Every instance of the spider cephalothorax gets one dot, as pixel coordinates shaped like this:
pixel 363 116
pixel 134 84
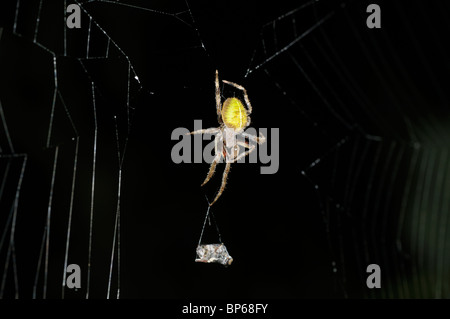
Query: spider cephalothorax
pixel 233 118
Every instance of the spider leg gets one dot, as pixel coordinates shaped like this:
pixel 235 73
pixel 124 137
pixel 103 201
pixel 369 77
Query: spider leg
pixel 218 105
pixel 212 130
pixel 240 87
pixel 260 140
pixel 212 168
pixel 250 147
pixel 232 154
pixel 224 182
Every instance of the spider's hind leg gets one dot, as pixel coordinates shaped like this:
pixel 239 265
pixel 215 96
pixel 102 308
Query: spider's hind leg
pixel 240 87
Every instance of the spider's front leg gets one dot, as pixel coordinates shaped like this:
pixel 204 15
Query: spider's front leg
pixel 251 148
pixel 230 157
pixel 218 154
pixel 224 182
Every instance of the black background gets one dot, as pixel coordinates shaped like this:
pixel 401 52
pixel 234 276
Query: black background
pixel 282 236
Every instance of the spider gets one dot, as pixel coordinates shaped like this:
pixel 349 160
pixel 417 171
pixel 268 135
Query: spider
pixel 233 119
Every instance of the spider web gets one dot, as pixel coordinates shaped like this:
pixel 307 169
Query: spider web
pixel 86 117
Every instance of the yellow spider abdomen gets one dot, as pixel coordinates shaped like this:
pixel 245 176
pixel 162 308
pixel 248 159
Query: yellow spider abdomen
pixel 234 114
